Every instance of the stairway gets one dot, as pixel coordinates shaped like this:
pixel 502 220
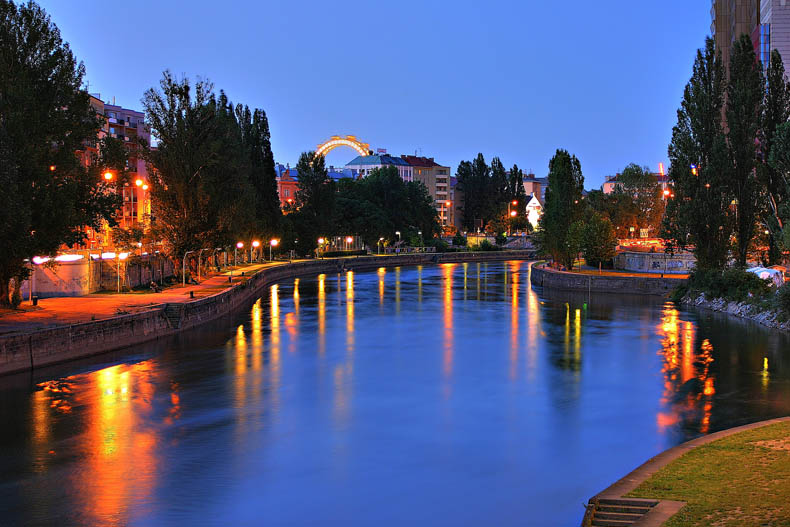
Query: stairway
pixel 616 512
pixel 173 315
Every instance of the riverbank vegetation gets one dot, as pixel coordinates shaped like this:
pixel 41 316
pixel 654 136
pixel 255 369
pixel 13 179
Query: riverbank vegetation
pixel 740 480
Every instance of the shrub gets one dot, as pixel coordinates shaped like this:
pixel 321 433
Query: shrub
pixel 501 239
pixel 730 284
pixel 486 245
pixel 459 240
pixel 783 298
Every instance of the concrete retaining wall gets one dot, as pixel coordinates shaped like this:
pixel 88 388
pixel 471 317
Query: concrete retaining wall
pixel 640 285
pixel 20 352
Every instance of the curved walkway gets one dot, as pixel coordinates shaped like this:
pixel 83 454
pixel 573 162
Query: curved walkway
pixel 665 509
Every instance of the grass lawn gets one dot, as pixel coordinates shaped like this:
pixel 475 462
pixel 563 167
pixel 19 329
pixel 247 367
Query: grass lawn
pixel 741 480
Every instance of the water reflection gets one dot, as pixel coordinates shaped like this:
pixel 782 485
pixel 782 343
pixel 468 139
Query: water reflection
pixel 423 383
pixel 688 383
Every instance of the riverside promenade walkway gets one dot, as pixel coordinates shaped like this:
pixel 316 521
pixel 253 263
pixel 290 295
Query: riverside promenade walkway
pixel 58 311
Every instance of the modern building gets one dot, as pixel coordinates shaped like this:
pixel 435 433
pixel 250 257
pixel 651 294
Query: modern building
pixel 129 126
pixel 361 166
pixel 774 31
pixel 731 18
pixel 436 179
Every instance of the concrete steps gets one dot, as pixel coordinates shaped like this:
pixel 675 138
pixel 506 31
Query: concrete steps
pixel 618 512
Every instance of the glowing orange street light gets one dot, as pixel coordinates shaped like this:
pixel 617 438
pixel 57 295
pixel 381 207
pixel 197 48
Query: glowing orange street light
pixel 145 187
pixel 239 245
pixel 52 168
pixel 666 193
pixel 513 213
pixel 515 202
pixel 139 182
pixel 108 175
pixel 321 241
pixel 349 239
pixel 256 243
pixel 272 243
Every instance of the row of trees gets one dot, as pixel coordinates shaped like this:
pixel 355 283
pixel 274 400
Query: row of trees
pixel 487 191
pixel 729 157
pixel 374 207
pixel 213 179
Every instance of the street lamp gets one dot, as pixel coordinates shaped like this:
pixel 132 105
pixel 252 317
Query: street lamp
pixel 379 244
pixel 419 233
pixel 272 243
pixel 255 245
pixel 108 175
pixel 398 233
pixel 239 245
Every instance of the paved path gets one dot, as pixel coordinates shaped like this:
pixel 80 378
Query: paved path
pixel 52 312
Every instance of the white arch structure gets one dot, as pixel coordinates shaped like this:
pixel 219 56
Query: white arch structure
pixel 336 141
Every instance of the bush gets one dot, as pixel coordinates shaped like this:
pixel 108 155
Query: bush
pixel 485 245
pixel 783 298
pixel 501 239
pixel 441 245
pixel 730 284
pixel 459 240
pixel 16 297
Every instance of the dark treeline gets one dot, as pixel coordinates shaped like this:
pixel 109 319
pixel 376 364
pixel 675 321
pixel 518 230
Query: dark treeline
pixel 376 206
pixel 487 191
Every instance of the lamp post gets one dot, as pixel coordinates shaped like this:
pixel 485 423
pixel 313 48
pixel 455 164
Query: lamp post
pixel 379 244
pixel 398 233
pixel 321 242
pixel 255 245
pixel 272 243
pixel 349 241
pixel 239 245
pixel 419 233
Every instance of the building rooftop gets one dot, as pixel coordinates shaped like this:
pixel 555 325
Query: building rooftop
pixel 377 160
pixel 417 161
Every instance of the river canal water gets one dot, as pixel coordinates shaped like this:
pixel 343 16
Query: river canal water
pixel 438 395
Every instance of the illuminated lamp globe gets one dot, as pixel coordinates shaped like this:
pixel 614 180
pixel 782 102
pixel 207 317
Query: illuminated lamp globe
pixel 513 213
pixel 321 241
pixel 139 182
pixel 108 175
pixel 256 243
pixel 274 242
pixel 349 239
pixel 240 245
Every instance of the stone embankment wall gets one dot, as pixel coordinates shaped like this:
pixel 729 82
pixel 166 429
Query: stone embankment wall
pixel 745 310
pixel 588 283
pixel 20 352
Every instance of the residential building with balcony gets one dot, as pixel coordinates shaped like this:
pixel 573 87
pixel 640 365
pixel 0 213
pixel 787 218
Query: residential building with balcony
pixel 436 179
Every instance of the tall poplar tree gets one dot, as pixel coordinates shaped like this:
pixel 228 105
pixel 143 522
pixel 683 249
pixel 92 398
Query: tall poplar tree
pixel 699 214
pixel 745 92
pixel 563 207
pixel 776 111
pixel 515 186
pixel 498 194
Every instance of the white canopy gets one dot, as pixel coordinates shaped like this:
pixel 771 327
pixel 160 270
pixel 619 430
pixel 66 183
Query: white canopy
pixel 773 275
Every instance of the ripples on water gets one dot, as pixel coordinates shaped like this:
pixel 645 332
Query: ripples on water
pixel 448 395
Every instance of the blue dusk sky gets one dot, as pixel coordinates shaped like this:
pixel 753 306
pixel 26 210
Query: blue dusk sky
pixel 514 79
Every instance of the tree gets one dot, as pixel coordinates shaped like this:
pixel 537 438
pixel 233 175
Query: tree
pixel 574 241
pixel 699 216
pixel 315 200
pixel 745 93
pixel 47 194
pixel 498 192
pixel 776 111
pixel 639 186
pixel 600 241
pixel 200 179
pixel 563 206
pixel 263 177
pixel 474 181
pixel 515 184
